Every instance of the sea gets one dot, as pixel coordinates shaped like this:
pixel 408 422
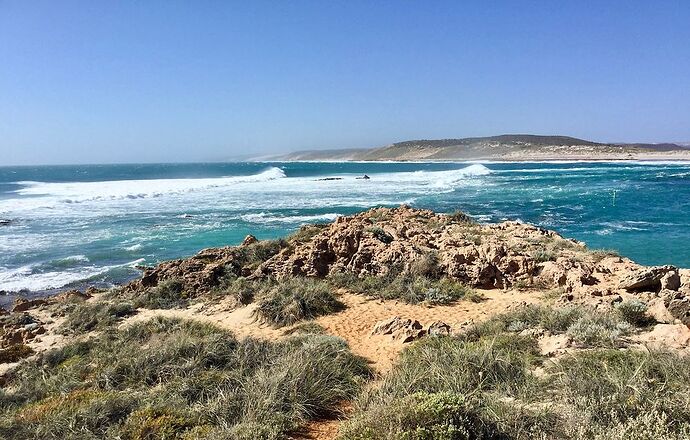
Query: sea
pixel 71 226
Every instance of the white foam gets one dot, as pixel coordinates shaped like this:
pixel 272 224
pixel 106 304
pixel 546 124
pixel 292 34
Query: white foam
pixel 12 280
pixel 78 192
pixel 263 217
pixel 134 247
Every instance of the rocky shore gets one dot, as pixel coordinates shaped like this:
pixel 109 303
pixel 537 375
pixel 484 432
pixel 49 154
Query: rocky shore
pixel 379 280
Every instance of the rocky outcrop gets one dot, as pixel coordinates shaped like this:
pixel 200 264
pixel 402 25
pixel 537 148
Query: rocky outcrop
pixel 379 241
pixel 199 273
pixel 651 279
pixel 390 241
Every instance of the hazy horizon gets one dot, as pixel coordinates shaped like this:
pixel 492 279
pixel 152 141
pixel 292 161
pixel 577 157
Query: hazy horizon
pixel 125 82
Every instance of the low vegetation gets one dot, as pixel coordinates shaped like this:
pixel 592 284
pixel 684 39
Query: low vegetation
pixel 96 316
pixel 296 299
pixel 407 288
pixel 173 379
pixel 492 382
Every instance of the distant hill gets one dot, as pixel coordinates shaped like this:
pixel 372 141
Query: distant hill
pixel 502 147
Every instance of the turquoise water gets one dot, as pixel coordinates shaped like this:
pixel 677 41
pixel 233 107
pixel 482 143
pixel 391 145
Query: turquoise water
pixel 71 224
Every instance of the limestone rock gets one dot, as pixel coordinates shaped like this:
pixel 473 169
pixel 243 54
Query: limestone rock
pixel 658 311
pixel 438 328
pixel 400 329
pixel 680 309
pixel 650 279
pixel 249 239
pixel 22 305
pixel 675 336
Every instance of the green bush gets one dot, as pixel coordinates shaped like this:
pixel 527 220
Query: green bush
pixel 421 416
pixel 634 312
pixel 296 299
pixel 380 234
pixel 598 330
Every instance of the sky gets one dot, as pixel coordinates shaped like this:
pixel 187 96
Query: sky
pixel 167 81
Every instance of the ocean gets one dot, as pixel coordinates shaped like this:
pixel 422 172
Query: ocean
pixel 92 224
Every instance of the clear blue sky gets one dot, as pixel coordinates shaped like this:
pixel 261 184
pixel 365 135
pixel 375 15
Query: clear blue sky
pixel 130 81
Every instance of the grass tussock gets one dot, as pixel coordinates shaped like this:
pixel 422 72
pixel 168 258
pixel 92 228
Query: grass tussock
pixel 296 299
pixel 167 294
pixel 177 379
pixel 407 287
pixel 492 382
pixel 96 316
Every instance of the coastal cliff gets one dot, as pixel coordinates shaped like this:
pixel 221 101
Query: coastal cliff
pixel 391 323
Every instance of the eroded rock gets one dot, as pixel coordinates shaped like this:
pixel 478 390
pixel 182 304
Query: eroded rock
pixel 650 279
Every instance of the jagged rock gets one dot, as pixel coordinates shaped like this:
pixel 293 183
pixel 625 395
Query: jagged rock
pixel 504 255
pixel 73 295
pixel 438 328
pixel 19 328
pixel 401 329
pixel 491 256
pixel 680 309
pixel 392 325
pixel 649 279
pixel 22 305
pixel 249 239
pixel 670 281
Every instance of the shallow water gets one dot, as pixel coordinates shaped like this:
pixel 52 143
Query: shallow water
pixel 71 224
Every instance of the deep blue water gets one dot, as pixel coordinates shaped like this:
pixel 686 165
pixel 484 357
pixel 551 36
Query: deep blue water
pixel 76 223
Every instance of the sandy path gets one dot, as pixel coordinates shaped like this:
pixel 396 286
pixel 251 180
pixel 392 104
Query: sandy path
pixel 354 324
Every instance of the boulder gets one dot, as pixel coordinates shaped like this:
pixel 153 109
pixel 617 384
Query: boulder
pixel 666 336
pixel 656 308
pixel 22 305
pixel 438 328
pixel 401 329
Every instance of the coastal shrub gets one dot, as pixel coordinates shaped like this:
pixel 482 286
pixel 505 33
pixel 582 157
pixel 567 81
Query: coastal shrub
pixel 96 316
pixel 461 217
pixel 421 416
pixel 598 330
pixel 256 253
pixel 306 232
pixel 240 289
pixel 542 255
pixel 451 364
pixel 406 287
pixel 427 265
pixel 167 378
pixel 15 353
pixel 614 387
pixel 380 234
pixel 554 320
pixel 600 254
pixel 167 295
pixel 634 312
pixel 297 299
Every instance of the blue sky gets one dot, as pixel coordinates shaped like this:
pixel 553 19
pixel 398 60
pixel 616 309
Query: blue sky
pixel 129 81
